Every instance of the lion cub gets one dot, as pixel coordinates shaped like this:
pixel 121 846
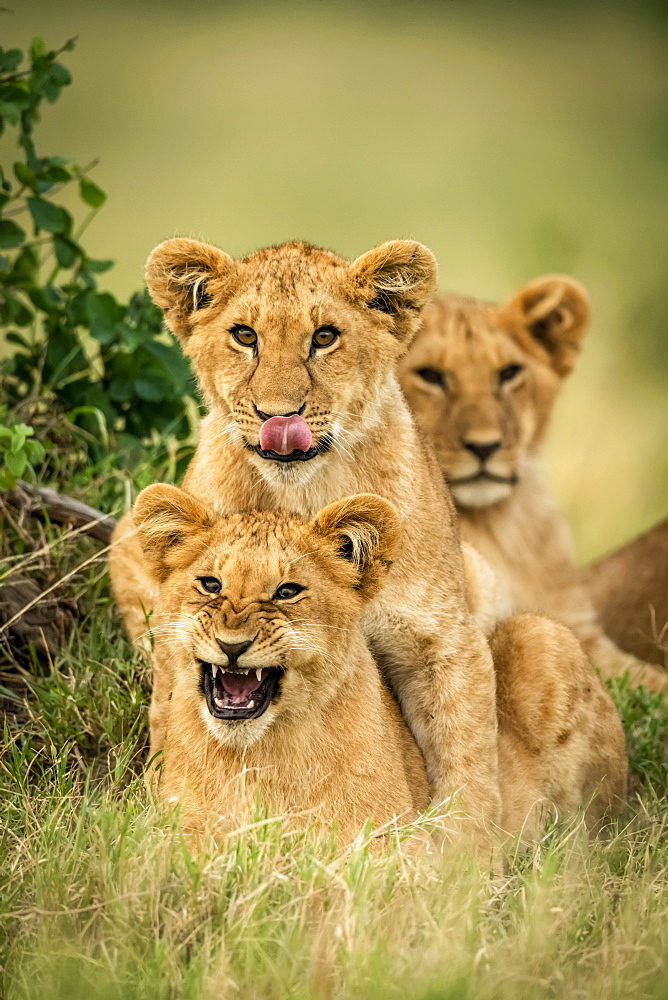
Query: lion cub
pixel 295 350
pixel 481 380
pixel 274 689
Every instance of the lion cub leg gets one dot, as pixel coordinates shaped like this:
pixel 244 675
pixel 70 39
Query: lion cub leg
pixel 445 684
pixel 614 662
pixel 561 742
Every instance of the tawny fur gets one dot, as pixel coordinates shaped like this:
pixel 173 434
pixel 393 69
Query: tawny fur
pixel 333 747
pixel 432 652
pixel 460 380
pixel 629 588
pixel 561 741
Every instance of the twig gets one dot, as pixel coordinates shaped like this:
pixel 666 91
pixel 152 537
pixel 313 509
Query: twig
pixel 44 593
pixel 63 509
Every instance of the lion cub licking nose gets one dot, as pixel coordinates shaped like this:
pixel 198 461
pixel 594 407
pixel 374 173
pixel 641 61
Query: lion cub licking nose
pixel 274 689
pixel 273 683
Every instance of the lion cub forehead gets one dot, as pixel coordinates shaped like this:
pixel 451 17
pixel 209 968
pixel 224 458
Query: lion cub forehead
pixel 261 532
pixel 253 550
pixel 290 264
pixel 458 330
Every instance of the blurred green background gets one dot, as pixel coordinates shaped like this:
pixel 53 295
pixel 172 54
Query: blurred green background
pixel 512 139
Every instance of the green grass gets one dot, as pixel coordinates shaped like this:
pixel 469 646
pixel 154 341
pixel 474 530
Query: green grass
pixel 102 900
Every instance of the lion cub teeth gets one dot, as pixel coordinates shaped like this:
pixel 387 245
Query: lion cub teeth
pixel 251 704
pixel 258 673
pixel 214 670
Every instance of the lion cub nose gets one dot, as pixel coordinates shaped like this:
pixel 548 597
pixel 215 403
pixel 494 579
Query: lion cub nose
pixel 233 650
pixel 483 449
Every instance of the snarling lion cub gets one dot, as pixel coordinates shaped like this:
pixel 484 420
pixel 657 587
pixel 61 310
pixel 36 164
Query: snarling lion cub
pixel 295 350
pixel 275 690
pixel 481 380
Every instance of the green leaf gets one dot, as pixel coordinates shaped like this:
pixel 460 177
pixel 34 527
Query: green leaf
pixel 98 266
pixel 56 174
pixel 91 193
pixel 67 251
pixel 49 217
pixel 35 451
pixel 15 338
pixel 50 80
pixel 7 480
pixel 16 463
pixel 37 48
pixel 10 60
pixel 150 389
pixel 11 235
pixel 25 176
pixel 25 265
pixel 19 435
pixel 14 98
pixel 104 313
pixel 47 298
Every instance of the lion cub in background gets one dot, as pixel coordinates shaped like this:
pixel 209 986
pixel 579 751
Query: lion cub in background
pixel 274 688
pixel 481 380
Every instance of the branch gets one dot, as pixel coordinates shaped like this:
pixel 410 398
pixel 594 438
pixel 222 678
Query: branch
pixel 62 509
pixel 52 56
pixel 78 173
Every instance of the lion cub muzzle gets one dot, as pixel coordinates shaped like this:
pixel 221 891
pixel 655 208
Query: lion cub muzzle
pixel 288 438
pixel 242 693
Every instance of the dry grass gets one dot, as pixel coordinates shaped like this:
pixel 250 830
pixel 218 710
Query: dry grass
pixel 102 899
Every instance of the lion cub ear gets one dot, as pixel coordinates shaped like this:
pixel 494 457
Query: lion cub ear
pixel 397 278
pixel 181 276
pixel 165 517
pixel 366 530
pixel 555 310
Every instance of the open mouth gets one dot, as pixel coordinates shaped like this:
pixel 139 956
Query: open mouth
pixel 239 694
pixel 484 477
pixel 294 456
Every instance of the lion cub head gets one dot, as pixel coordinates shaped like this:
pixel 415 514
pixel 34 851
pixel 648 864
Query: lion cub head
pixel 292 344
pixel 481 380
pixel 258 611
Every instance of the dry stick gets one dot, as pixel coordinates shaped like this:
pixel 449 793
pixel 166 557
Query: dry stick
pixel 53 586
pixel 64 509
pixel 61 509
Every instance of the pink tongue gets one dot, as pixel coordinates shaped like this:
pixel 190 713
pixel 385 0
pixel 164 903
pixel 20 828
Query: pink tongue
pixel 285 435
pixel 239 686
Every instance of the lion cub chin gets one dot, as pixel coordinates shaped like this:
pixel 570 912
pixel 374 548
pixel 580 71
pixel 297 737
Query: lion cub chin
pixel 274 690
pixel 275 693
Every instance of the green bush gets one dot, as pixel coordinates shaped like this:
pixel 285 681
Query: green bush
pixel 70 348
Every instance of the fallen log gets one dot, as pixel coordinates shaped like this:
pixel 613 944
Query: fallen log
pixel 61 509
pixel 35 610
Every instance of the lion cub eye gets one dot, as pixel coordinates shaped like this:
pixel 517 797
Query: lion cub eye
pixel 325 336
pixel 432 375
pixel 210 584
pixel 287 590
pixel 244 335
pixel 509 372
